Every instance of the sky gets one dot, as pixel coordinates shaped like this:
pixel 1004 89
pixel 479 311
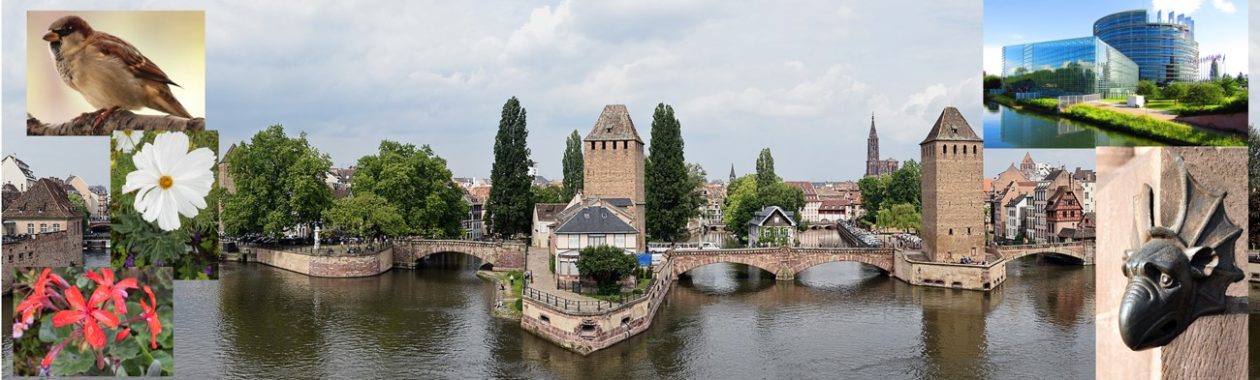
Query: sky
pixel 1220 25
pixel 801 80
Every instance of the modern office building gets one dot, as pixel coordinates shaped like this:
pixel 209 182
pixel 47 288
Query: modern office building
pixel 1163 46
pixel 1075 66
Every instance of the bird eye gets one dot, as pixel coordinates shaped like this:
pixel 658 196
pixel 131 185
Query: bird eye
pixel 1166 281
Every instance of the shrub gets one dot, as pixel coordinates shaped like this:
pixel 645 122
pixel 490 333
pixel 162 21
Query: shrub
pixel 1174 133
pixel 1204 94
pixel 1147 88
pixel 607 265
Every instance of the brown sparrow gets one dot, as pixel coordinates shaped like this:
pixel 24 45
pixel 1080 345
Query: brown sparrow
pixel 109 72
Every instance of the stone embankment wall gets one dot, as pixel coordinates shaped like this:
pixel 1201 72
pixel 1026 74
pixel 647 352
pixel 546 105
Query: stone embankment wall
pixel 948 275
pixel 591 330
pixel 53 249
pixel 327 266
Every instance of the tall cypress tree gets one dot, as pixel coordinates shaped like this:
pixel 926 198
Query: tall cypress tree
pixel 667 183
pixel 765 169
pixel 511 201
pixel 573 166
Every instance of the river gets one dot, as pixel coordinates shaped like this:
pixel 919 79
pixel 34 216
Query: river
pixel 839 320
pixel 1007 128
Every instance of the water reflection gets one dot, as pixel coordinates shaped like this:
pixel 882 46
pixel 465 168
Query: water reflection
pixel 724 321
pixel 1007 128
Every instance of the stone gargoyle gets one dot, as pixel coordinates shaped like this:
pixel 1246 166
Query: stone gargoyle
pixel 1178 272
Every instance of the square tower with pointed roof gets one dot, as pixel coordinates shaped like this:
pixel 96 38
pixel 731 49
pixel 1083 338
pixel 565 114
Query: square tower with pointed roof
pixel 613 159
pixel 953 197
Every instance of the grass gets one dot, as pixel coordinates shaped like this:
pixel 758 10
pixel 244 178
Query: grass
pixel 1175 133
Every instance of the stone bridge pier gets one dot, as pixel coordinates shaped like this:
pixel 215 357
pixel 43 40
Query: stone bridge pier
pixel 784 262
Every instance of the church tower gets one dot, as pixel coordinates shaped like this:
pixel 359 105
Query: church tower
pixel 872 151
pixel 952 190
pixel 613 160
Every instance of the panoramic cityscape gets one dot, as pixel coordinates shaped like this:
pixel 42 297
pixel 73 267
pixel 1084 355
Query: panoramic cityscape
pixel 575 189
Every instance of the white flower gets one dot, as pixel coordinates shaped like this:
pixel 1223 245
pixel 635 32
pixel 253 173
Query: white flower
pixel 125 140
pixel 170 179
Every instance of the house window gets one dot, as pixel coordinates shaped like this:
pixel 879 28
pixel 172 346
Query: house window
pixel 619 241
pixel 43 228
pixel 596 240
pixel 573 242
pixel 30 228
pixel 56 227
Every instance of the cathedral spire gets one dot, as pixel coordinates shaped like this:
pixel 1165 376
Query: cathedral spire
pixel 873 136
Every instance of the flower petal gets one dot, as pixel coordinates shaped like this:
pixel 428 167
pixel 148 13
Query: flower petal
pixel 95 337
pixel 66 317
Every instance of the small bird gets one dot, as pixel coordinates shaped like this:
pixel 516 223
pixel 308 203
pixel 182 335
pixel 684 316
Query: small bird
pixel 110 73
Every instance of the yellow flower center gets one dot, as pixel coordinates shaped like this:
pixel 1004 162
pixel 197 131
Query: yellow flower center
pixel 127 132
pixel 166 182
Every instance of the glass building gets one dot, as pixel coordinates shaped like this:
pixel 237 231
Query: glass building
pixel 1163 46
pixel 1076 66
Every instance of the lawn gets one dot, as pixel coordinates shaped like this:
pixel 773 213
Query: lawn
pixel 1174 133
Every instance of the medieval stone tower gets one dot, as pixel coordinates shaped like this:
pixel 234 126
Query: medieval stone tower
pixel 953 194
pixel 613 154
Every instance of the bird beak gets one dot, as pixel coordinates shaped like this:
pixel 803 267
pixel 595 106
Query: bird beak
pixel 52 37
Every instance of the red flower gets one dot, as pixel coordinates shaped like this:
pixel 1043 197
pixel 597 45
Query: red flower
pixel 88 314
pixel 151 317
pixel 33 301
pixel 122 335
pixel 107 289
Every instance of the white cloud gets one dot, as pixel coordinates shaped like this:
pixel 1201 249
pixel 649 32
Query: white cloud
pixel 1179 6
pixel 545 29
pixel 1224 6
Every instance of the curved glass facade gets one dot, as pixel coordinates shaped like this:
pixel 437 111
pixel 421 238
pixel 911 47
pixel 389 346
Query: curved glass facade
pixel 1076 66
pixel 1162 46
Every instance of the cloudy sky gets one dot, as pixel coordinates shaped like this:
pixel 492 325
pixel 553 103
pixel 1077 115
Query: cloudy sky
pixel 802 80
pixel 1220 25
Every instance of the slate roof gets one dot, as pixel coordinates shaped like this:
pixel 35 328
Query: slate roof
pixel 760 217
pixel 594 219
pixel 547 212
pixel 951 126
pixel 46 199
pixel 614 124
pixel 1015 201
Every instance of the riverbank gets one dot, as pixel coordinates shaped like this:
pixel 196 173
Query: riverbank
pixel 508 287
pixel 1168 132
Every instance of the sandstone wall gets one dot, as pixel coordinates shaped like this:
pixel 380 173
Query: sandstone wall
pixel 326 266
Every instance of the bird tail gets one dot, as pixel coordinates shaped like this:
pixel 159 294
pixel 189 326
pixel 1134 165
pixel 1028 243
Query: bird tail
pixel 165 101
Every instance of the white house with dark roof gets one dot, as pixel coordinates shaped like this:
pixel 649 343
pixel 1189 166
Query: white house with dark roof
pixel 589 223
pixel 771 226
pixel 16 173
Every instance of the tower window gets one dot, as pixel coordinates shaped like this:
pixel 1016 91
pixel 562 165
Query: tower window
pixel 955 149
pixel 592 145
pixel 944 149
pixel 603 145
pixel 951 231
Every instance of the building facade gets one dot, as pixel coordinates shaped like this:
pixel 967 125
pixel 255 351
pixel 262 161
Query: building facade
pixel 1063 213
pixel 16 173
pixel 44 208
pixel 1161 45
pixel 771 226
pixel 1075 66
pixel 592 222
pixel 874 166
pixel 953 197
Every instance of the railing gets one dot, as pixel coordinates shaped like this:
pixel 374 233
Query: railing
pixel 1066 101
pixel 580 306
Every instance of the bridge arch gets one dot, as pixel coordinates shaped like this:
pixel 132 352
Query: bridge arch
pixel 876 262
pixel 784 262
pixel 494 255
pixel 1077 252
pixel 686 265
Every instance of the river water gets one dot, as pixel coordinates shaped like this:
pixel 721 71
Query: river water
pixel 839 320
pixel 1007 128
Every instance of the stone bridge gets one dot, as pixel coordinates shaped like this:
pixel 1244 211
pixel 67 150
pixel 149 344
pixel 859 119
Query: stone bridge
pixel 784 262
pixel 500 255
pixel 1080 250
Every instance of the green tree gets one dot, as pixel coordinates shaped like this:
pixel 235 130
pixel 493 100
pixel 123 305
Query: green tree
pixel 607 265
pixel 765 169
pixel 366 215
pixel 903 185
pixel 418 184
pixel 81 207
pixel 666 180
pixel 548 194
pixel 1203 94
pixel 874 195
pixel 1228 85
pixel 744 199
pixel 1147 88
pixel 511 205
pixel 279 184
pixel 573 165
pixel 992 82
pixel 1175 91
pixel 903 216
pixel 698 178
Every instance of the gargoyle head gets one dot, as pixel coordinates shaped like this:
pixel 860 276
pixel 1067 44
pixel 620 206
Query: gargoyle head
pixel 1177 273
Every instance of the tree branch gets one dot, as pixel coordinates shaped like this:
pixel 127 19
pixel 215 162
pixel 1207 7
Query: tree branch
pixel 117 121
